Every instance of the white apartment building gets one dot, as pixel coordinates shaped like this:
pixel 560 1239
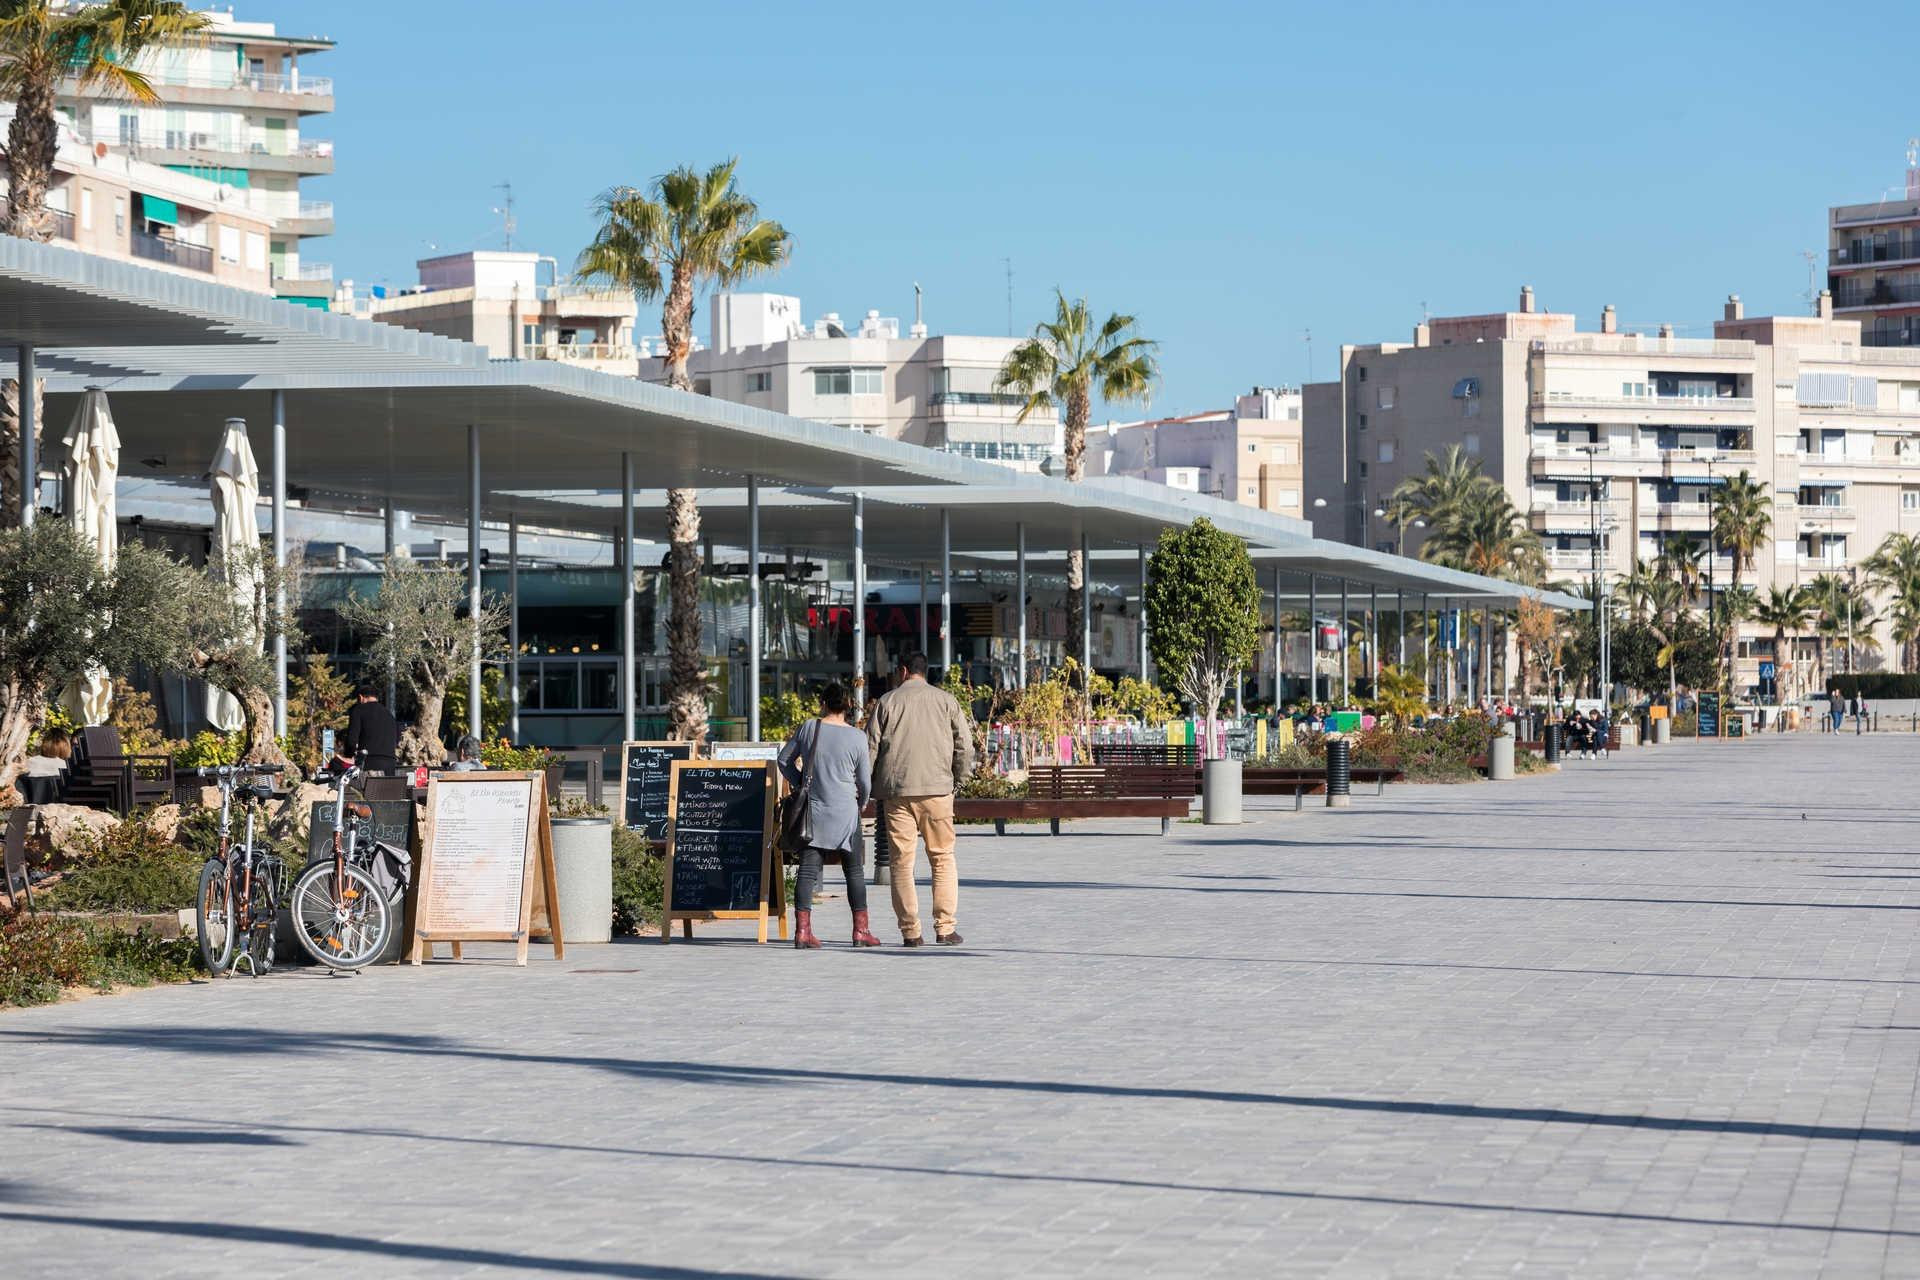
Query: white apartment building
pixel 232 110
pixel 1645 424
pixel 1873 265
pixel 116 206
pixel 496 299
pixel 929 390
pixel 1249 454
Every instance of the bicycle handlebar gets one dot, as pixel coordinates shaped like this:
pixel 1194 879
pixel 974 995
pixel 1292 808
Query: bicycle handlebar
pixel 237 770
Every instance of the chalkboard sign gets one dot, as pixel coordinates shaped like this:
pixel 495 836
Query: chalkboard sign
pixel 719 844
pixel 744 750
pixel 1736 727
pixel 646 775
pixel 392 824
pixel 486 852
pixel 1709 716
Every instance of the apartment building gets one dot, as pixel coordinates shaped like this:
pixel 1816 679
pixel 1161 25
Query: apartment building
pixel 1873 266
pixel 515 305
pixel 932 390
pixel 1614 439
pixel 118 207
pixel 1250 454
pixel 233 110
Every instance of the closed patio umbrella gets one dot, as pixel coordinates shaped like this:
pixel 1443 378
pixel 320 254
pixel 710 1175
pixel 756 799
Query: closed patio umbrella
pixel 235 484
pixel 93 465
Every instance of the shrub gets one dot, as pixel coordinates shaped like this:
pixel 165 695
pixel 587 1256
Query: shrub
pixel 39 955
pixel 116 958
pixel 781 714
pixel 128 868
pixel 1876 684
pixel 639 881
pixel 501 754
pixel 207 749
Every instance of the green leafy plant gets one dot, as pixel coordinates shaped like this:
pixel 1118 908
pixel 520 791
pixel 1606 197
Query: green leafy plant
pixel 1147 703
pixel 40 955
pixel 1203 613
pixel 639 882
pixel 129 867
pixel 781 714
pixel 206 749
pixel 501 754
pixel 577 807
pixel 495 711
pixel 319 699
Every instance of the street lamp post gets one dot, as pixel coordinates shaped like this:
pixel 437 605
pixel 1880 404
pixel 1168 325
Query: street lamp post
pixel 1366 513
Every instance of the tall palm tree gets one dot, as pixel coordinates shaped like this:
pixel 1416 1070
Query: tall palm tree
pixel 1452 478
pixel 1484 533
pixel 95 44
pixel 1683 560
pixel 686 231
pixel 1787 610
pixel 1845 614
pixel 1894 568
pixel 1742 517
pixel 1061 367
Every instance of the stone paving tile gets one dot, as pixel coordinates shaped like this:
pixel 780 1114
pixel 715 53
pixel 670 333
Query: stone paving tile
pixel 1638 1018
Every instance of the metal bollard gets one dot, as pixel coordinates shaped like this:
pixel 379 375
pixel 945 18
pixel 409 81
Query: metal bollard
pixel 1551 739
pixel 1339 773
pixel 882 849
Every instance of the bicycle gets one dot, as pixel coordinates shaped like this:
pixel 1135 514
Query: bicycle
pixel 239 891
pixel 339 907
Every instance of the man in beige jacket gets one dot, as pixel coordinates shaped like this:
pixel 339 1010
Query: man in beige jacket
pixel 922 745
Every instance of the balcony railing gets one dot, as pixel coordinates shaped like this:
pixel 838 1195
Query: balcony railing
pixel 314 210
pixel 1907 337
pixel 1572 507
pixel 258 82
pixel 1880 294
pixel 306 271
pixel 195 257
pixel 1653 404
pixel 1641 344
pixel 1893 248
pixel 583 351
pixel 1820 512
pixel 1574 558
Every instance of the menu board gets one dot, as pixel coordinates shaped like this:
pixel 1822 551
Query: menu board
pixel 646 775
pixel 744 750
pixel 719 860
pixel 1709 726
pixel 392 824
pixel 486 838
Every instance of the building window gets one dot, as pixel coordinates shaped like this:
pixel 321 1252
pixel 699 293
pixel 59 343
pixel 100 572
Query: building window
pixel 1386 397
pixel 1910 499
pixel 1471 443
pixel 832 382
pixel 1289 498
pixel 1363 422
pixel 1363 471
pixel 867 382
pixel 230 244
pixel 256 251
pixel 86 208
pixel 1283 453
pixel 759 382
pixel 1249 491
pixel 1253 448
pixel 119 215
pixel 1386 451
pixel 1363 373
pixel 529 336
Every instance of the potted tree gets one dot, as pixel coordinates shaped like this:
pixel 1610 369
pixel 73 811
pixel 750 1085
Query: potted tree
pixel 1203 623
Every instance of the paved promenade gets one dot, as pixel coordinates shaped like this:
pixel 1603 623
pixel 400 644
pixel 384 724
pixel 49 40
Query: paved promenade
pixel 1657 1016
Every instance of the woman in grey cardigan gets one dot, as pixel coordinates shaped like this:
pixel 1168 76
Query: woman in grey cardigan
pixel 828 758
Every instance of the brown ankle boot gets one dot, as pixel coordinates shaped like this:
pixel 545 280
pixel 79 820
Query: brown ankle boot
pixel 862 934
pixel 803 930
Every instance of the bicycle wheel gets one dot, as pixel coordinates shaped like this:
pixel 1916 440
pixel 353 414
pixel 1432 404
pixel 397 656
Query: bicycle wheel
pixel 213 916
pixel 260 916
pixel 344 929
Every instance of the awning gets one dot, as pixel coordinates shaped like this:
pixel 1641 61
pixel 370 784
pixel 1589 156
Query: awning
pixel 154 209
pixel 1808 483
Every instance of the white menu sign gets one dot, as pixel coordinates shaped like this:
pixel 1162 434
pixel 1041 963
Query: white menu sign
pixel 479 857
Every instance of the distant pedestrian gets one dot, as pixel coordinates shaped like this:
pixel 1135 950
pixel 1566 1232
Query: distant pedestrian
pixel 466 755
pixel 1858 706
pixel 371 730
pixel 1836 708
pixel 922 747
pixel 828 759
pixel 1599 730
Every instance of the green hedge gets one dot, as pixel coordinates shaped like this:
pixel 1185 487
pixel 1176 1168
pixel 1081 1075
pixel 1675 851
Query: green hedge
pixel 1877 684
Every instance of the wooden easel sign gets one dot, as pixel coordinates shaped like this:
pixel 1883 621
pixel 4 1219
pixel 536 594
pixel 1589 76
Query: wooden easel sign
pixel 720 863
pixel 486 847
pixel 646 777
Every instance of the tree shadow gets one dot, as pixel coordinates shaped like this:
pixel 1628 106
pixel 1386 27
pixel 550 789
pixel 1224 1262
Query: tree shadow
pixel 173 1137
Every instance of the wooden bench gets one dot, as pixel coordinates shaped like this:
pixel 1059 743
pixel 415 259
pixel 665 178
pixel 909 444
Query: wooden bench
pixel 1300 783
pixel 104 777
pixel 1163 791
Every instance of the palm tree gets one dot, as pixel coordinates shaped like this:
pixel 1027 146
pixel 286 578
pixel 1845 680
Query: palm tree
pixel 1483 533
pixel 1683 560
pixel 686 231
pixel 1895 569
pixel 1742 517
pixel 1787 610
pixel 1845 614
pixel 1452 478
pixel 95 44
pixel 1061 367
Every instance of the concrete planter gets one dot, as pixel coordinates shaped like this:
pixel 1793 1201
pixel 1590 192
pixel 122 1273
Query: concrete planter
pixel 1500 756
pixel 583 867
pixel 1220 792
pixel 1662 731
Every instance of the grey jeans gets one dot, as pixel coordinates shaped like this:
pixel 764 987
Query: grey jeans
pixel 853 863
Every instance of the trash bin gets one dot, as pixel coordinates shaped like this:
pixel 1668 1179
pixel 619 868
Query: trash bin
pixel 1339 773
pixel 1500 755
pixel 1550 737
pixel 583 876
pixel 1220 792
pixel 1663 730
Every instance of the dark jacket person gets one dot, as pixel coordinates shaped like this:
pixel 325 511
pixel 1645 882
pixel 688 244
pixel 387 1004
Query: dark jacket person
pixel 371 728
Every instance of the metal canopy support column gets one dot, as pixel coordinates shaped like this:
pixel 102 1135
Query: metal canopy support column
pixel 1279 647
pixel 1400 628
pixel 1313 638
pixel 1346 618
pixel 513 627
pixel 753 609
pixel 946 592
pixel 1143 613
pixel 29 494
pixel 923 610
pixel 1086 610
pixel 473 574
pixel 1020 603
pixel 1373 639
pixel 390 518
pixel 860 602
pixel 279 548
pixel 1486 651
pixel 1426 650
pixel 625 559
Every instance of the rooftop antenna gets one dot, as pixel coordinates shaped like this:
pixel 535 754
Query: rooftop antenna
pixel 1009 266
pixel 1308 339
pixel 1813 292
pixel 1913 174
pixel 505 210
pixel 919 319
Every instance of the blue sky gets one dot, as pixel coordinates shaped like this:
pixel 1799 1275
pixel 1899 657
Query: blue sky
pixel 1233 174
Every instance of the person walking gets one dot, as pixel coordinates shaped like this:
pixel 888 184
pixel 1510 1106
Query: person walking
pixel 371 729
pixel 828 760
pixel 1858 705
pixel 922 743
pixel 1836 707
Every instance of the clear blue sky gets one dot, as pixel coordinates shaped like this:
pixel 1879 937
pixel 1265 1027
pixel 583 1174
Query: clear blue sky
pixel 1233 174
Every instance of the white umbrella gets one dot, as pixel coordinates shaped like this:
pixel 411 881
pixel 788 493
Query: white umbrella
pixel 93 464
pixel 235 481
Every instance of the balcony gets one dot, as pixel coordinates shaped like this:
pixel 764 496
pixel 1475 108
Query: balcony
pixel 306 272
pixel 1724 462
pixel 1650 408
pixel 1881 293
pixel 1568 462
pixel 1909 337
pixel 591 354
pixel 1677 516
pixel 236 88
pixel 1641 344
pixel 315 218
pixel 1869 252
pixel 219 150
pixel 947 406
pixel 1575 560
pixel 175 253
pixel 1820 515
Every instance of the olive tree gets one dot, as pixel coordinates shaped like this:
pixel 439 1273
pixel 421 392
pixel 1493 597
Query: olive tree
pixel 1203 614
pixel 418 628
pixel 239 612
